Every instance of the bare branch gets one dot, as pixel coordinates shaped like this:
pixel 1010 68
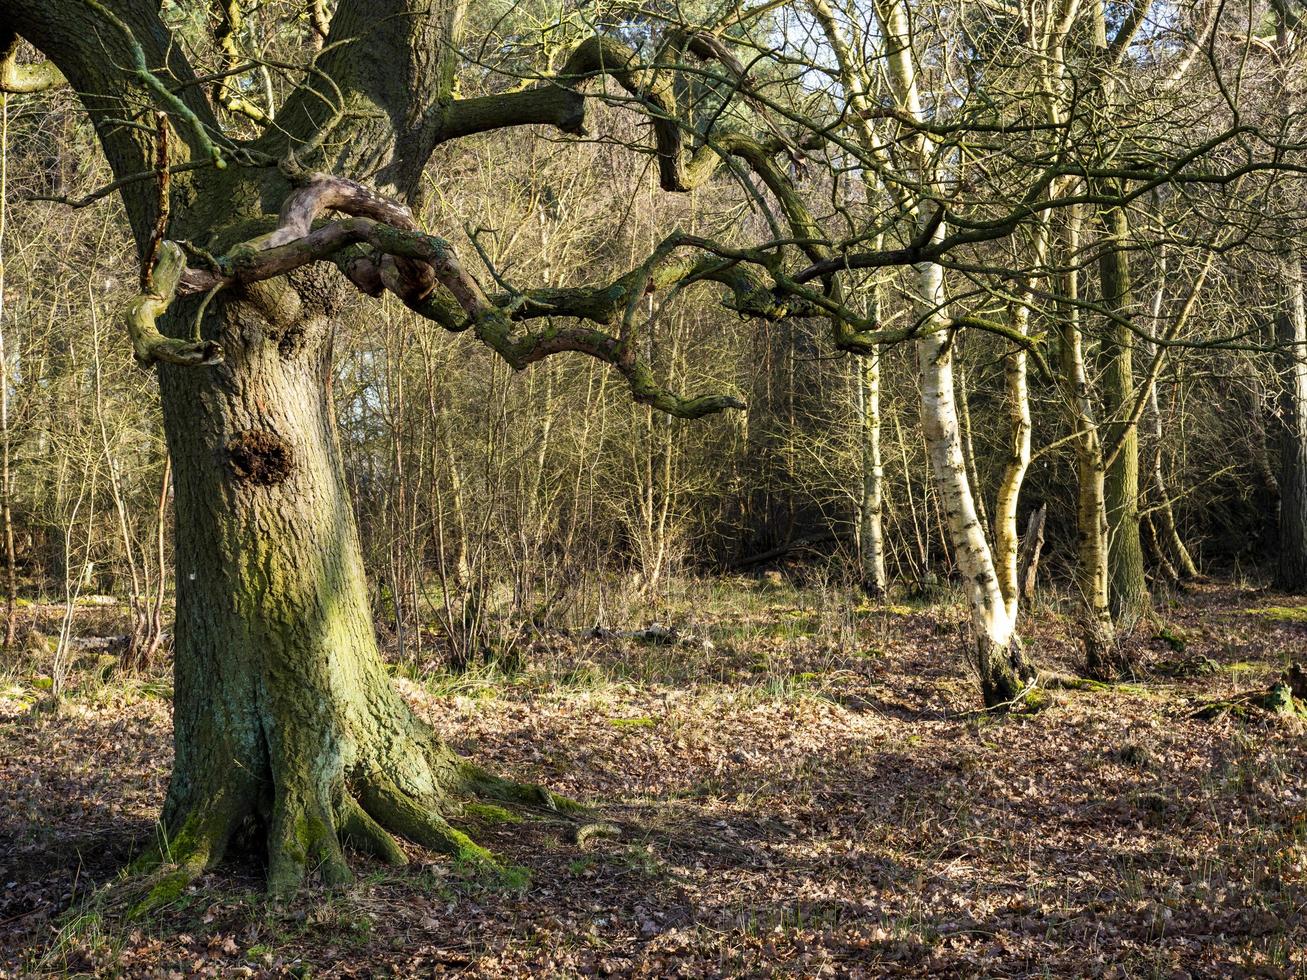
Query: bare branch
pixel 226 33
pixel 164 207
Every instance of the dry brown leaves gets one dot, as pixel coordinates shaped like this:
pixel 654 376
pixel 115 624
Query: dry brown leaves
pixel 801 801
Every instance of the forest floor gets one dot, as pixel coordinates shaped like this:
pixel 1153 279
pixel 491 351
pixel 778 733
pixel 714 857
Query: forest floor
pixel 813 796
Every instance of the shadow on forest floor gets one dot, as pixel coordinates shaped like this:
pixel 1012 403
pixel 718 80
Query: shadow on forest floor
pixel 806 800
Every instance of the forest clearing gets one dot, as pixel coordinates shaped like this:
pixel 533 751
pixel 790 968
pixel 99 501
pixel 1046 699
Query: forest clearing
pixel 709 488
pixel 814 796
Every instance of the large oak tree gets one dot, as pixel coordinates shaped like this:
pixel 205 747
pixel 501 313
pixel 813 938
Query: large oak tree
pixel 285 720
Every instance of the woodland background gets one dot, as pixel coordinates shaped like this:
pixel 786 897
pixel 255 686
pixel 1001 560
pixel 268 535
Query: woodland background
pixel 803 779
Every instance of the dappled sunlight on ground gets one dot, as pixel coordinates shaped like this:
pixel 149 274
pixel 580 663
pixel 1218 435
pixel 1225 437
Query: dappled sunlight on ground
pixel 811 793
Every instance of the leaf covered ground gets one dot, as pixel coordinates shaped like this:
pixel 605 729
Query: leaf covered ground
pixel 811 795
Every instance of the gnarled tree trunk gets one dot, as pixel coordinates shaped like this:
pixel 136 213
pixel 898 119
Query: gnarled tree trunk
pixel 283 709
pixel 284 718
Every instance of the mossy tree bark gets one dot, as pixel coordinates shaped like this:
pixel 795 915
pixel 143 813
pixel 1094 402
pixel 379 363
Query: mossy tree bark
pixel 1092 576
pixel 283 709
pixel 1128 587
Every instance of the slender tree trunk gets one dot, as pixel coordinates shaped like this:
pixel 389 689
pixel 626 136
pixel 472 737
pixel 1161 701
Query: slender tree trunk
pixel 1266 489
pixel 1128 585
pixel 1091 569
pixel 161 557
pixel 1007 540
pixel 1148 527
pixel 1093 575
pixel 1184 563
pixel 1291 569
pixel 998 652
pixel 999 658
pixel 1184 560
pixel 871 531
pixel 871 539
pixel 6 483
pixel 968 449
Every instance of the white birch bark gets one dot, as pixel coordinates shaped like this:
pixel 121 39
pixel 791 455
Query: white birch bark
pixel 989 610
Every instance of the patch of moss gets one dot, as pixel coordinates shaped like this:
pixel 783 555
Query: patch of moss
pixel 1282 614
pixel 790 624
pixel 1068 682
pixel 466 851
pixel 1142 691
pixel 489 813
pixel 1172 638
pixel 1036 700
pixel 166 891
pixel 1279 700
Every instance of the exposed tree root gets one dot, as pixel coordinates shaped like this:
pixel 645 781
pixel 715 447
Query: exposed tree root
pixel 160 875
pixel 361 833
pixel 481 782
pixel 303 837
pixel 308 838
pixel 589 831
pixel 308 832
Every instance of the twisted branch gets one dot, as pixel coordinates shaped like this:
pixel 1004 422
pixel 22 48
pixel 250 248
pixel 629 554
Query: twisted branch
pixel 149 345
pixel 379 246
